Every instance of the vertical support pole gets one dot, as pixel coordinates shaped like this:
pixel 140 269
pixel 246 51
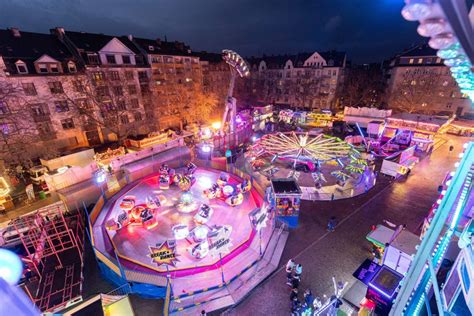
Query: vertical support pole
pixel 122 272
pixel 435 288
pixel 427 305
pixel 260 241
pixel 222 269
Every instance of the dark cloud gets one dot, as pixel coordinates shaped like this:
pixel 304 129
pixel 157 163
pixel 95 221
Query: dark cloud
pixel 369 30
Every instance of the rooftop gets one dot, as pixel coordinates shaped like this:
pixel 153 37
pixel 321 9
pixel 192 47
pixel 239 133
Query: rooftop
pixel 286 186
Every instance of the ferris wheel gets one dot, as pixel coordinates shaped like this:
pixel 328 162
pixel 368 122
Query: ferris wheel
pixel 302 146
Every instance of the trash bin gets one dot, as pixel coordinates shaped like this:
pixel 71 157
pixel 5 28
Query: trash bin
pixel 42 195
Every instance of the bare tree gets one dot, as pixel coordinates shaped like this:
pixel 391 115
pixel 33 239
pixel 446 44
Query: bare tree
pixel 416 92
pixel 102 101
pixel 192 104
pixel 363 88
pixel 21 134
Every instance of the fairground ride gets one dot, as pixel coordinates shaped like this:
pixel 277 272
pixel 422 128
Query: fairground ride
pixel 238 66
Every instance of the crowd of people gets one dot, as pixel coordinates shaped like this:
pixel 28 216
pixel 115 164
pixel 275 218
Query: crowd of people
pixel 309 302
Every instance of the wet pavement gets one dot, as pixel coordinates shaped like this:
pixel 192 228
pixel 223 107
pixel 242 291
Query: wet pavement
pixel 323 254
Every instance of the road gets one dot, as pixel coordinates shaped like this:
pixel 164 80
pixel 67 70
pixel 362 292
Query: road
pixel 323 254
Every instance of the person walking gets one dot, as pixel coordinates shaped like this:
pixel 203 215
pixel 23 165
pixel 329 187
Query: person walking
pixel 295 303
pixel 308 299
pixel 289 271
pixel 298 270
pixel 295 282
pixel 332 224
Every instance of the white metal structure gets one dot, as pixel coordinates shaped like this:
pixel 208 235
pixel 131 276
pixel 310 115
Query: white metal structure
pixel 238 66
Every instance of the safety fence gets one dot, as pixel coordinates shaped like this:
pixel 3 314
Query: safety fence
pixel 161 286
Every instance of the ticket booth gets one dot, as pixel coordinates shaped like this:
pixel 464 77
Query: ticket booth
pixel 285 198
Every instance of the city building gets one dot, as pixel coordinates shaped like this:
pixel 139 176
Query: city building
pixel 419 82
pixel 216 75
pixel 116 85
pixel 36 117
pixel 175 74
pixel 302 81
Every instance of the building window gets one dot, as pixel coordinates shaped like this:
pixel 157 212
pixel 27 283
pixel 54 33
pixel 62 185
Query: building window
pixel 67 123
pixel 156 59
pixel 21 67
pixel 132 89
pixel 102 91
pixel 29 88
pixel 93 59
pixel 38 109
pixel 126 59
pixel 8 128
pixel 117 90
pixel 142 75
pixel 134 103
pixel 137 116
pixel 55 87
pixel 79 86
pixel 114 75
pixel 83 104
pixel 3 107
pixel 121 105
pixel 61 106
pixel 129 75
pixel 124 119
pixel 448 106
pixel 413 82
pixel 111 59
pixel 54 68
pixel 43 68
pixel 151 48
pixel 333 72
pixel 98 76
pixel 71 66
pixel 438 60
pixel 168 59
pixel 420 60
pixel 453 94
pixel 139 60
pixel 411 61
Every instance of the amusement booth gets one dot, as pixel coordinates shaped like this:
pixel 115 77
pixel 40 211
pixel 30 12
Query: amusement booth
pixel 285 198
pixel 393 250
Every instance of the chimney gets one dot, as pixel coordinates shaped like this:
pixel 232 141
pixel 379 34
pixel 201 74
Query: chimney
pixel 59 31
pixel 15 32
pixel 130 37
pixel 158 41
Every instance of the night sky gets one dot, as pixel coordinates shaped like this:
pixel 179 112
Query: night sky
pixel 368 30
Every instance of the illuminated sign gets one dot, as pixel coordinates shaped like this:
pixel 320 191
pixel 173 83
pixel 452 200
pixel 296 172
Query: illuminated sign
pixel 164 254
pixel 219 240
pixel 259 217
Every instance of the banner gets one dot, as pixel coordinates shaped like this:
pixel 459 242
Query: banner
pixel 164 253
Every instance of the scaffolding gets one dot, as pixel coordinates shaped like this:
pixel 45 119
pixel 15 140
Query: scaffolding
pixel 53 242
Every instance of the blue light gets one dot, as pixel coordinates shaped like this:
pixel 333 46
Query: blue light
pixel 100 176
pixel 11 267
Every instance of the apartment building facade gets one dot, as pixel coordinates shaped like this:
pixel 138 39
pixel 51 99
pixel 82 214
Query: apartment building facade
pixel 176 74
pixel 303 81
pixel 70 89
pixel 419 82
pixel 35 72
